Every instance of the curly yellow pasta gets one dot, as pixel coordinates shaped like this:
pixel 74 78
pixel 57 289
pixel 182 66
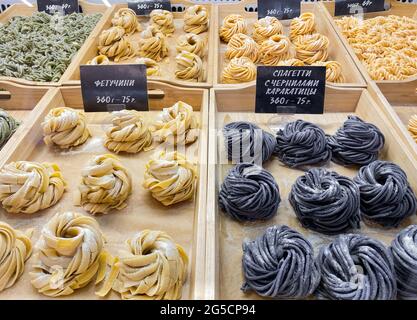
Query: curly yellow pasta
pixel 153 44
pixel 65 127
pixel 304 24
pixel 70 254
pixel 196 19
pixel 126 18
pixel 232 25
pixel 276 49
pixel 106 184
pixel 28 187
pixel 412 127
pixel 177 124
pixel 15 249
pixel 239 70
pixel 99 60
pixel 163 21
pixel 170 177
pixel 311 48
pixel 114 44
pixel 189 66
pixel 152 67
pixel 386 45
pixel 291 63
pixel 333 71
pixel 265 28
pixel 152 267
pixel 129 132
pixel 241 45
pixel 192 43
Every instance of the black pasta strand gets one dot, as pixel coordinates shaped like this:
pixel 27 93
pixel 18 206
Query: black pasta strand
pixel 302 143
pixel 356 142
pixel 246 142
pixel 356 267
pixel 404 252
pixel 280 264
pixel 326 202
pixel 249 193
pixel 386 195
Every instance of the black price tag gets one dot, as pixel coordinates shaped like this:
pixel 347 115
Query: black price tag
pixel 282 10
pixel 58 6
pixel 290 89
pixel 114 87
pixel 349 7
pixel 145 7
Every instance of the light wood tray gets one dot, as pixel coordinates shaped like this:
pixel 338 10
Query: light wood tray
pixel 399 92
pixel 185 222
pixel 21 9
pixel 337 52
pixel 225 236
pixel 168 65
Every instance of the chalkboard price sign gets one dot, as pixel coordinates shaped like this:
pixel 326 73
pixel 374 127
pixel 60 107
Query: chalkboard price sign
pixel 283 9
pixel 290 89
pixel 114 87
pixel 145 7
pixel 58 6
pixel 349 7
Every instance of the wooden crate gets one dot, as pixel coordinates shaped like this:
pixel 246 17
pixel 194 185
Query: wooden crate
pixel 185 222
pixel 225 236
pixel 399 92
pixel 168 65
pixel 19 101
pixel 24 10
pixel 336 49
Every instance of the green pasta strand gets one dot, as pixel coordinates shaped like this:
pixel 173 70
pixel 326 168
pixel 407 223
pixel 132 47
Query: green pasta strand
pixel 8 126
pixel 40 47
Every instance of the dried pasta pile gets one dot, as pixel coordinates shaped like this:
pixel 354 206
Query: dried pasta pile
pixel 387 46
pixel 40 47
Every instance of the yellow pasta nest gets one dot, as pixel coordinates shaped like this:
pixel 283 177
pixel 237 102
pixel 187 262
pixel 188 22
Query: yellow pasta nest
pixel 189 66
pixel 170 177
pixel 304 24
pixel 129 132
pixel 275 49
pixel 239 70
pixel 191 43
pixel 265 28
pixel 412 127
pixel 311 48
pixel 196 19
pixel 387 46
pixel 333 71
pixel 241 45
pixel 152 267
pixel 177 125
pixel 126 18
pixel 15 249
pixel 114 44
pixel 28 187
pixel 65 127
pixel 106 184
pixel 291 63
pixel 163 21
pixel 232 25
pixel 70 254
pixel 152 67
pixel 153 44
pixel 99 60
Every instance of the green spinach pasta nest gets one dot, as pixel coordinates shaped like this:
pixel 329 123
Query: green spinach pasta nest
pixel 40 47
